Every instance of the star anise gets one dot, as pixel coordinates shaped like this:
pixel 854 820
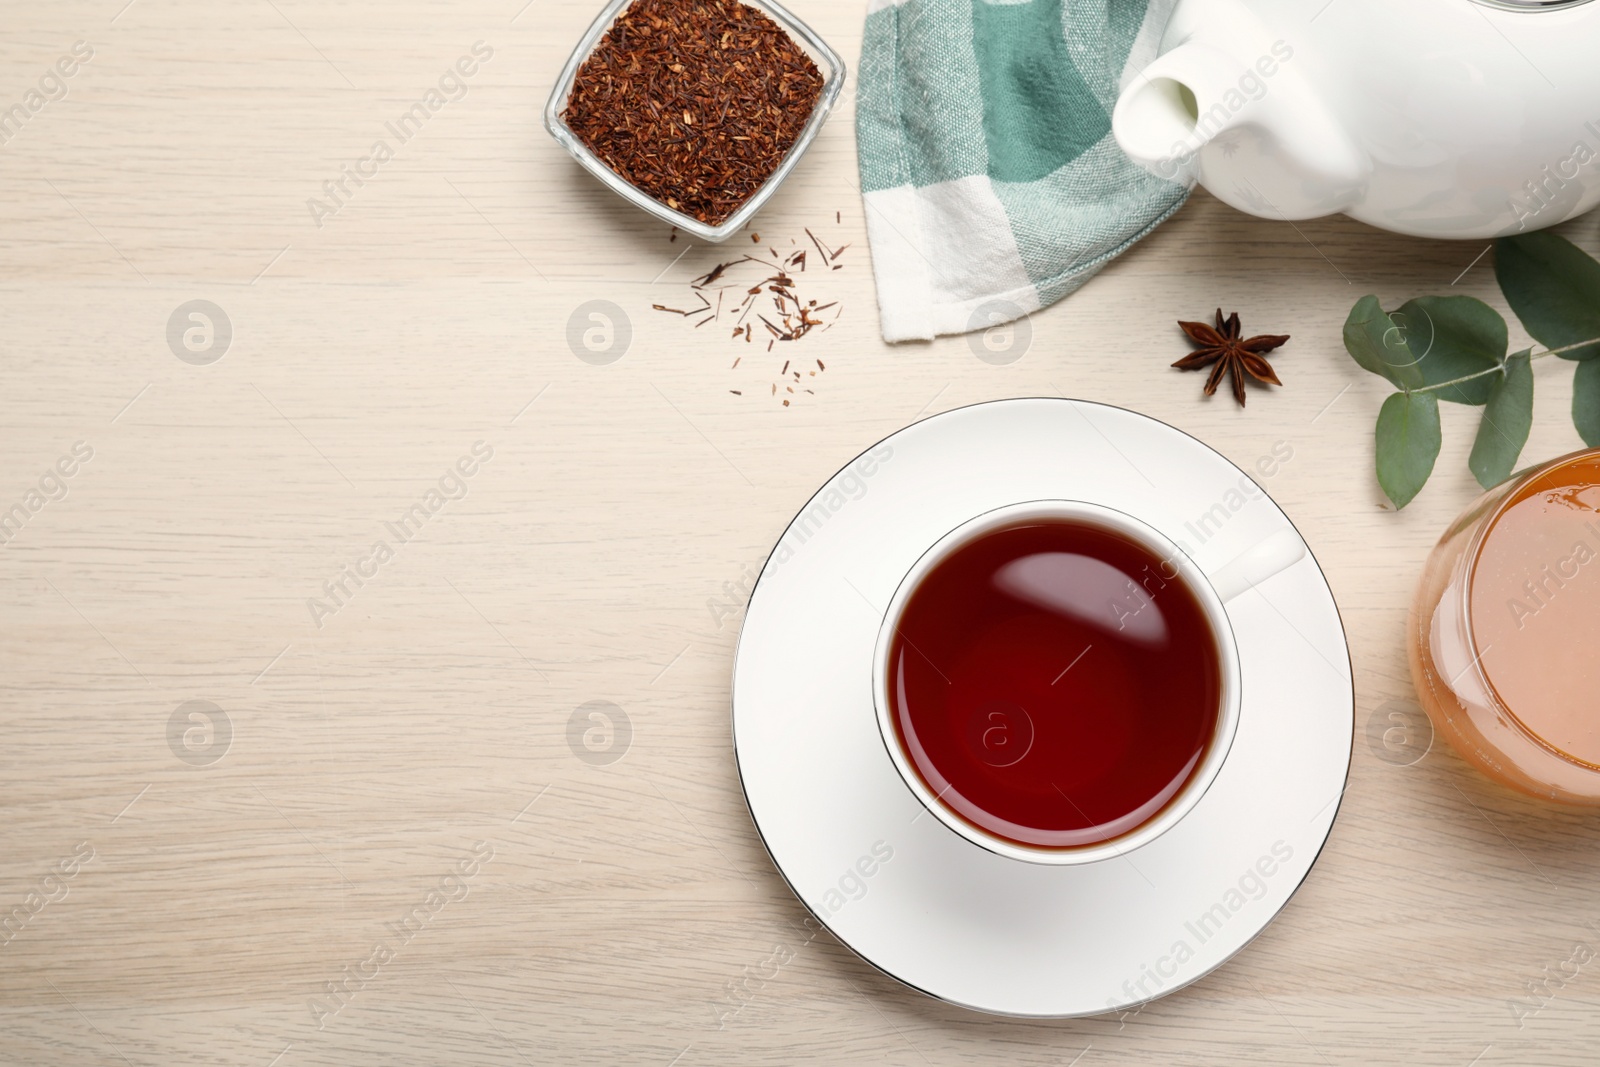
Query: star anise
pixel 1222 346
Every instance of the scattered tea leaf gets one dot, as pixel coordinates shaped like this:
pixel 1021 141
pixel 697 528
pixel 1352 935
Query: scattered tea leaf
pixel 1506 421
pixel 773 294
pixel 1408 441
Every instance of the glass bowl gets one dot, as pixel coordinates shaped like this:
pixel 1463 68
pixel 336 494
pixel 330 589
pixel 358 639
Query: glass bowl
pixel 828 64
pixel 1486 653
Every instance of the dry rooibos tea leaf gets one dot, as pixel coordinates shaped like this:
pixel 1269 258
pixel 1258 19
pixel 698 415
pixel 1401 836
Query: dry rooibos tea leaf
pixel 693 102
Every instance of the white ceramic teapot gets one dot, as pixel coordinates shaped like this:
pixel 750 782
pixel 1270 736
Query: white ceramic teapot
pixel 1441 118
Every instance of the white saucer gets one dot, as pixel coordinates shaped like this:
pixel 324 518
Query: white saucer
pixel 911 896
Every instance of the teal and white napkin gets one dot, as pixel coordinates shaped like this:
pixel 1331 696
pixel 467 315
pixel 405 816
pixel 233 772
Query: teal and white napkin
pixel 992 184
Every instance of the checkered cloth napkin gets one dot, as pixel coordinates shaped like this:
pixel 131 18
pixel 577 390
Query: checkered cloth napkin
pixel 993 186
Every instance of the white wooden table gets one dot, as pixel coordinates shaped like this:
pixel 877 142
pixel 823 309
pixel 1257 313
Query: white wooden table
pixel 380 797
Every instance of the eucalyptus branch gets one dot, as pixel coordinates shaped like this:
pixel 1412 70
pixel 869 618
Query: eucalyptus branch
pixel 1500 368
pixel 1553 287
pixel 1567 348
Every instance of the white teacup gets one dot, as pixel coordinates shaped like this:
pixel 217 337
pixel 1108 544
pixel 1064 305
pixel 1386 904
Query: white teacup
pixel 1270 556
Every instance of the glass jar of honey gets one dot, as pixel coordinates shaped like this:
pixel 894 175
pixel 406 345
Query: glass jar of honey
pixel 1504 635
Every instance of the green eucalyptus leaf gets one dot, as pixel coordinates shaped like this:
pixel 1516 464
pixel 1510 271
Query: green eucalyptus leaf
pixel 1454 337
pixel 1586 402
pixel 1408 444
pixel 1506 422
pixel 1374 341
pixel 1554 287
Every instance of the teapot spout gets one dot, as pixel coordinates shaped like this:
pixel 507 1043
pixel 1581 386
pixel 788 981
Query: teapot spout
pixel 1248 127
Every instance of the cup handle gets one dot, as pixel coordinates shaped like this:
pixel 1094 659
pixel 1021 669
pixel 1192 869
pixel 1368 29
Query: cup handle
pixel 1256 564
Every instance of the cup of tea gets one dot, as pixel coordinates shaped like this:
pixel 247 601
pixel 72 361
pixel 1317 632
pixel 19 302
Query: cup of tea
pixel 1504 627
pixel 1057 681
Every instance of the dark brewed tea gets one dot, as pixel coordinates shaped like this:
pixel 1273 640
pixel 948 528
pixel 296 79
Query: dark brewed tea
pixel 1054 682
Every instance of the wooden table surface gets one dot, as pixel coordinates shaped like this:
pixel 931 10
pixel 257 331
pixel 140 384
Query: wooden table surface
pixel 379 837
